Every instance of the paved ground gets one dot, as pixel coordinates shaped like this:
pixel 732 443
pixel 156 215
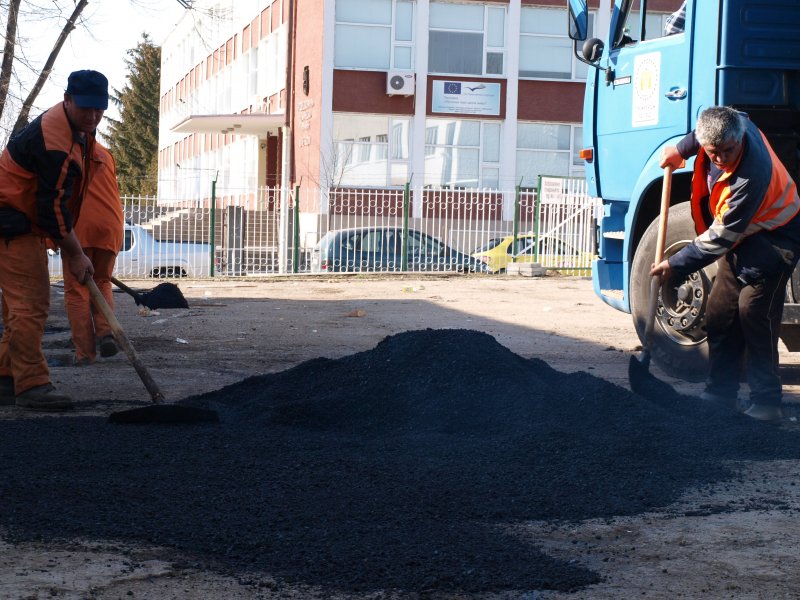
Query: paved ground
pixel 238 328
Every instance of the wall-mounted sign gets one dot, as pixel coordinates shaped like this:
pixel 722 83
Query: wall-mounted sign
pixel 465 97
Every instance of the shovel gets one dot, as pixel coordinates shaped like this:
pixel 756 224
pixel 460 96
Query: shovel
pixel 164 295
pixel 157 412
pixel 639 375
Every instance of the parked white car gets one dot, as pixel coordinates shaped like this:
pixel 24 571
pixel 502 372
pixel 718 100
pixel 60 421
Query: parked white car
pixel 142 255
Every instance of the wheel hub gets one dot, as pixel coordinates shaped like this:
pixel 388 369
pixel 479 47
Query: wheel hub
pixel 681 307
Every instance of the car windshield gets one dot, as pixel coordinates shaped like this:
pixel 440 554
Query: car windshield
pixel 521 244
pixel 490 245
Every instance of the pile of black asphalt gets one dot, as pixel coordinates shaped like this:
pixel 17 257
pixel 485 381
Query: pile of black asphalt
pixel 404 468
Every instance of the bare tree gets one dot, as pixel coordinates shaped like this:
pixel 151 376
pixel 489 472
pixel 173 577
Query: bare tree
pixel 9 49
pixel 69 26
pixel 15 66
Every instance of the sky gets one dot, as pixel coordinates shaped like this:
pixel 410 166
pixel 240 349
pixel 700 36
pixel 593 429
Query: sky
pixel 114 27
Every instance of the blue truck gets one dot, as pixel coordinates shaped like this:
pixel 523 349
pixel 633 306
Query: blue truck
pixel 643 93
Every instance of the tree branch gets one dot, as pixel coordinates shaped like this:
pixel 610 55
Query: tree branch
pixel 8 52
pixel 69 26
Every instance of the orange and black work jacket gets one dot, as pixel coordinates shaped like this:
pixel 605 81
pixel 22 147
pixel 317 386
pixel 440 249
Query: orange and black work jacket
pixel 102 221
pixel 44 171
pixel 756 196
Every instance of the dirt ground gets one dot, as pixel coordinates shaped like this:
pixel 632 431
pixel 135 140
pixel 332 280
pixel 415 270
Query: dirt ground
pixel 238 328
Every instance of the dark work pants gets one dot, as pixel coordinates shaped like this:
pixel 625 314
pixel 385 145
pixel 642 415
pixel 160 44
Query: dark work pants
pixel 743 323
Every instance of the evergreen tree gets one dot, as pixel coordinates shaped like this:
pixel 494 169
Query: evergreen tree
pixel 133 139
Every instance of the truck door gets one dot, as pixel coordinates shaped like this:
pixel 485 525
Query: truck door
pixel 644 99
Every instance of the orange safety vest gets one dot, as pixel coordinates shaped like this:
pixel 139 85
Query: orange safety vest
pixel 779 205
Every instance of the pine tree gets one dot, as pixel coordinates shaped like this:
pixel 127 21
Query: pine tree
pixel 133 139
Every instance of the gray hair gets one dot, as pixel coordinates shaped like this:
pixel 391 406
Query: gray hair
pixel 718 125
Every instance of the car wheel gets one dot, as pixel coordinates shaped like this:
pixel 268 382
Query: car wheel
pixel 679 345
pixel 164 272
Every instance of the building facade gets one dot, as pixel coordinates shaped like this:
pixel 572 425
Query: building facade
pixel 372 94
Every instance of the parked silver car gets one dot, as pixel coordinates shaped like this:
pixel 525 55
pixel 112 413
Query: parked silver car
pixel 381 249
pixel 142 255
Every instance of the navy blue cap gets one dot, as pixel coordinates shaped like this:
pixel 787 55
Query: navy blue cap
pixel 89 89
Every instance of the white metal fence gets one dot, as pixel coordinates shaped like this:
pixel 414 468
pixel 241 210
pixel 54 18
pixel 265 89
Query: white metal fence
pixel 271 231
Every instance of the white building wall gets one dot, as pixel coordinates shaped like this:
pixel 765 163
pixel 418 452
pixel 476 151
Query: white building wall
pixel 246 82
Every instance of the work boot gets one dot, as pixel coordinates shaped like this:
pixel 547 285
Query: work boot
pixel 765 412
pixel 108 346
pixel 7 397
pixel 44 397
pixel 729 401
pixel 81 362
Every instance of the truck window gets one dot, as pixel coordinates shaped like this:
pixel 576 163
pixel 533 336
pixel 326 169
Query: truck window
pixel 127 241
pixel 655 21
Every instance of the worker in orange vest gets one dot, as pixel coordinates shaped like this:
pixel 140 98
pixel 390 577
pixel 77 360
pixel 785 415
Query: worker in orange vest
pixel 99 230
pixel 45 169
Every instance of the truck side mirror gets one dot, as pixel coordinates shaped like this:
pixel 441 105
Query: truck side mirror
pixel 578 20
pixel 593 49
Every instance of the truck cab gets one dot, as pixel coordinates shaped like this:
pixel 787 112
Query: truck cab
pixel 644 92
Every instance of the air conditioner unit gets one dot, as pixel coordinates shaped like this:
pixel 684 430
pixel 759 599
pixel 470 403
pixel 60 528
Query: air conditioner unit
pixel 400 83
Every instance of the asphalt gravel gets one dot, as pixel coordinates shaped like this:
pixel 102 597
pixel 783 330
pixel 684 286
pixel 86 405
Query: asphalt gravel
pixel 401 468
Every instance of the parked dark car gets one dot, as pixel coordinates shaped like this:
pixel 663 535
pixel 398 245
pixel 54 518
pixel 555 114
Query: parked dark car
pixel 380 249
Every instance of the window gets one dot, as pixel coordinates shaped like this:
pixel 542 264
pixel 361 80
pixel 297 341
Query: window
pixel 431 135
pixel 364 148
pixel 369 150
pixel 464 153
pixel 654 24
pixel 252 80
pixel 547 149
pixel 386 27
pixel 545 51
pixel 466 39
pixel 382 143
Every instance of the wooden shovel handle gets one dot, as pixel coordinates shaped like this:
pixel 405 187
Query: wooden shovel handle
pixel 655 282
pixel 125 288
pixel 122 340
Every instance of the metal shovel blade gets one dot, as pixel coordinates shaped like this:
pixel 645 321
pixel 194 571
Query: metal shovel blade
pixel 164 295
pixel 639 376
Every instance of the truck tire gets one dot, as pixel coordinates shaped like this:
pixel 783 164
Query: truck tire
pixel 679 345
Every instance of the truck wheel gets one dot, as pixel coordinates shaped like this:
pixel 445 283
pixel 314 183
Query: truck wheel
pixel 679 338
pixel 793 289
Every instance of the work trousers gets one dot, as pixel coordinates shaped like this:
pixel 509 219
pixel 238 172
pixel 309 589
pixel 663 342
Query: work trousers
pixel 25 284
pixel 743 324
pixel 87 323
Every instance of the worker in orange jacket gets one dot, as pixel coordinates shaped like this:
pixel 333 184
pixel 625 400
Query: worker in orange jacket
pixel 746 210
pixel 99 231
pixel 44 171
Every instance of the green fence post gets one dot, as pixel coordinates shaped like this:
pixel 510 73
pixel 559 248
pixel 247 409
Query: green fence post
pixel 212 233
pixel 296 236
pixel 536 204
pixel 406 202
pixel 516 219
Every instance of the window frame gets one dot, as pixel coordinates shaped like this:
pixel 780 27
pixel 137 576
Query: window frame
pixel 430 152
pixel 486 48
pixel 574 168
pixel 394 43
pixel 575 64
pixel 382 149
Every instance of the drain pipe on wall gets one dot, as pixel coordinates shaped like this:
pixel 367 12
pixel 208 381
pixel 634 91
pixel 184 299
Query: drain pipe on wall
pixel 288 144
